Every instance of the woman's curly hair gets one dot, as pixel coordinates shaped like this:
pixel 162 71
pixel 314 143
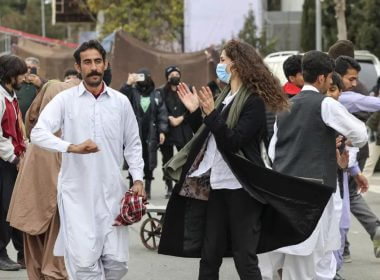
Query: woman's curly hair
pixel 255 75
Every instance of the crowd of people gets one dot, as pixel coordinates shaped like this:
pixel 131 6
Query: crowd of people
pixel 264 173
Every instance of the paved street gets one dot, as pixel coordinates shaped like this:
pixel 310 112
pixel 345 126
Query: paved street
pixel 148 265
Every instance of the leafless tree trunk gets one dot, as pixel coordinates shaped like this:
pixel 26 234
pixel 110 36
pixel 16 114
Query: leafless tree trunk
pixel 340 9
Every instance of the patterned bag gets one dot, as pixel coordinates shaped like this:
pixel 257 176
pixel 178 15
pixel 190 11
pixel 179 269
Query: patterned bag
pixel 197 187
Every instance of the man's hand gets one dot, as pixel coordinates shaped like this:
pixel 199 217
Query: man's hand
pixel 33 79
pixel 87 147
pixel 175 121
pixel 342 159
pixel 138 188
pixel 361 183
pixel 338 141
pixel 162 138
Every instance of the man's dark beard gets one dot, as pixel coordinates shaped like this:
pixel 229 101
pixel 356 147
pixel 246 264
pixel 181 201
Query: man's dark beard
pixel 94 84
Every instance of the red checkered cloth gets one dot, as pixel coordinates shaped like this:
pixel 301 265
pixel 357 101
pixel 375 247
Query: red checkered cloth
pixel 132 208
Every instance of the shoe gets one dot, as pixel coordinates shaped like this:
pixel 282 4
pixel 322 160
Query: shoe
pixel 347 258
pixel 338 277
pixel 376 243
pixel 21 262
pixel 7 264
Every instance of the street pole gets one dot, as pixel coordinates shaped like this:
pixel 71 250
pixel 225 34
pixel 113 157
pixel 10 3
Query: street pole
pixel 43 18
pixel 318 25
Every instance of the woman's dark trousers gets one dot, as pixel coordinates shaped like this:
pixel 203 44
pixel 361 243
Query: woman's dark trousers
pixel 236 214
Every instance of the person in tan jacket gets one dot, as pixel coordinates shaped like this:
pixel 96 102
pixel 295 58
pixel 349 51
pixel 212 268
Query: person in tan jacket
pixel 33 208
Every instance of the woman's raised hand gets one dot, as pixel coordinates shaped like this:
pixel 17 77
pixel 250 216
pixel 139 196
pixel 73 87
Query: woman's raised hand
pixel 206 100
pixel 188 98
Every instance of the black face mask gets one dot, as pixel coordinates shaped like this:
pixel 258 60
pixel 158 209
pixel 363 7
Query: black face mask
pixel 174 81
pixel 145 87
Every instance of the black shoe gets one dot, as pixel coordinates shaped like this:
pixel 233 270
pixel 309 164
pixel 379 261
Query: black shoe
pixel 347 255
pixel 7 264
pixel 338 277
pixel 21 262
pixel 347 258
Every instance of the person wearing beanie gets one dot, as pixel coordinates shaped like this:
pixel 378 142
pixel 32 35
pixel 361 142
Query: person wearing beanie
pixel 152 118
pixel 180 130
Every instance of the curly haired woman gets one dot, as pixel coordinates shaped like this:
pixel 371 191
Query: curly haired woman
pixel 225 201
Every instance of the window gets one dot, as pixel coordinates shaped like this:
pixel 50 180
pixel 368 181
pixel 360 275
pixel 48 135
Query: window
pixel 274 5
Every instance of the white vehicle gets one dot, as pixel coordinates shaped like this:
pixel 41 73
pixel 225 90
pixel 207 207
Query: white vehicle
pixel 370 66
pixel 275 61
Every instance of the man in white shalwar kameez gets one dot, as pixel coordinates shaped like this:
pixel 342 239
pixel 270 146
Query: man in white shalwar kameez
pixel 312 112
pixel 98 126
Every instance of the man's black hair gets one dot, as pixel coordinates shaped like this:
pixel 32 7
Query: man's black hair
pixel 11 66
pixel 71 72
pixel 337 80
pixel 292 65
pixel 314 64
pixel 92 44
pixel 343 63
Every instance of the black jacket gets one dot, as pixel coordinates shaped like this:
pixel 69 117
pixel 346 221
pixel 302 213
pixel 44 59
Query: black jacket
pixel 158 121
pixel 292 207
pixel 182 133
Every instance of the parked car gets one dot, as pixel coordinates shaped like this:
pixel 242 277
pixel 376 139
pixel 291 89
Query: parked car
pixel 369 63
pixel 275 61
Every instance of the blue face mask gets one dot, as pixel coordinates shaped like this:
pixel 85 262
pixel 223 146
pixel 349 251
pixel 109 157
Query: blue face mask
pixel 221 72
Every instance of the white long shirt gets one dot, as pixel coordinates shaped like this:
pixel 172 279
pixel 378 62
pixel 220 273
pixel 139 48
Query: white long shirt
pixel 90 187
pixel 326 236
pixel 221 176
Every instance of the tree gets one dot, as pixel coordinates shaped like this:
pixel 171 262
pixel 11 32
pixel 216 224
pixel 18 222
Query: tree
pixel 363 24
pixel 159 23
pixel 308 26
pixel 25 15
pixel 248 34
pixel 369 36
pixel 340 9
